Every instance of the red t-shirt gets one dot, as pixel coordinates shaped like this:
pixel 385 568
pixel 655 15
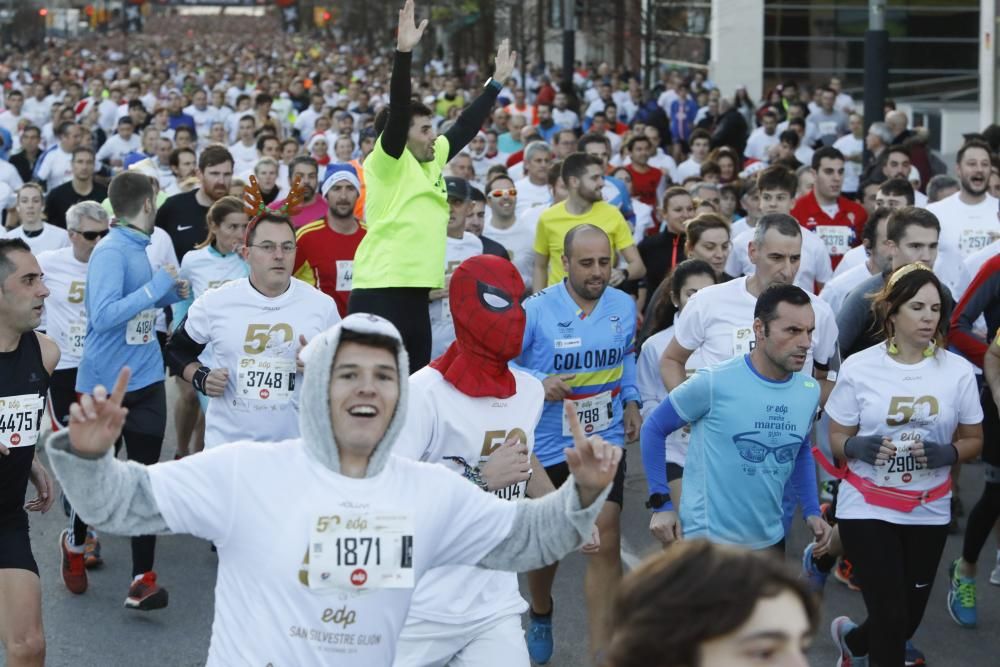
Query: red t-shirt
pixel 325 259
pixel 644 184
pixel 841 232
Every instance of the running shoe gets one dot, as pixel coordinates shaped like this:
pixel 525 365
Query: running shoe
pixel 811 572
pixel 995 574
pixel 839 629
pixel 74 572
pixel 92 551
pixel 843 571
pixel 913 656
pixel 539 638
pixel 961 597
pixel 145 595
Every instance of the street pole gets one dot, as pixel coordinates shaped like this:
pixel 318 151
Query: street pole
pixel 876 78
pixel 569 45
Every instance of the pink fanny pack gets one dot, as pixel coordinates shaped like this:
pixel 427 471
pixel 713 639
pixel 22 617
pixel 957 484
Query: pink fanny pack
pixel 899 500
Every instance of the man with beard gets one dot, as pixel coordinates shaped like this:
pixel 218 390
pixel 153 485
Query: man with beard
pixel 183 215
pixel 326 247
pixel 312 208
pixel 968 218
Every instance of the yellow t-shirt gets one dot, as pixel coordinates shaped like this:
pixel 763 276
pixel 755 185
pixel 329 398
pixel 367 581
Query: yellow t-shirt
pixel 555 222
pixel 406 217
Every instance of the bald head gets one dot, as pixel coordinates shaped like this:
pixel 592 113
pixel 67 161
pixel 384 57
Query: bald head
pixel 896 121
pixel 581 234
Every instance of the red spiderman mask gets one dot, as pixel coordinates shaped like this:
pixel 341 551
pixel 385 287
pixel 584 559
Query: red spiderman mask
pixel 485 295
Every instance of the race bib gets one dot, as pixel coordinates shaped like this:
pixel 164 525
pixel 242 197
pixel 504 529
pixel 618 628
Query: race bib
pixel 744 341
pixel 75 335
pixel 345 275
pixel 974 239
pixel 595 414
pixel 20 420
pixel 270 379
pixel 141 328
pixel 902 469
pixel 836 238
pixel 361 550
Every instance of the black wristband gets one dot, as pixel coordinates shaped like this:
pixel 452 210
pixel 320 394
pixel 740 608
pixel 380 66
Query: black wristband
pixel 625 271
pixel 199 377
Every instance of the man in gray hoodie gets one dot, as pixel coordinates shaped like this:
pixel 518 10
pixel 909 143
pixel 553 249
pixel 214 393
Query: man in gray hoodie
pixel 322 539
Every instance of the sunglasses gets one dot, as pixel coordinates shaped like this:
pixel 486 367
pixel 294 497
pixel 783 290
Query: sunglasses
pixel 91 236
pixel 496 194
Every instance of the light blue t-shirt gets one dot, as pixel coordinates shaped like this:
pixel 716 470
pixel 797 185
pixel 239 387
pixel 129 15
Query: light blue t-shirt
pixel 746 434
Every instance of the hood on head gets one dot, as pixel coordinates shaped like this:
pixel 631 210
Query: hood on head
pixel 314 403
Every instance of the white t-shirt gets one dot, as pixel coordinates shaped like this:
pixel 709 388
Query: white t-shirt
pixel 442 421
pixel 759 143
pixel 203 119
pixel 257 339
pixel 814 265
pixel 531 196
pixel 738 227
pixel 853 257
pixel 906 402
pixel 964 230
pixel 259 503
pixel 442 326
pixel 51 238
pixel 519 240
pixel 116 148
pixel 206 269
pixel 643 220
pixel 686 169
pixel 836 291
pixel 850 145
pixel 718 320
pixel 65 310
pixel 160 253
pixel 652 391
pixel 565 118
pixel 55 168
pixel 245 157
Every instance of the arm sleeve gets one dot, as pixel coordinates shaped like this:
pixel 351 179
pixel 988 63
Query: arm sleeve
pixel 181 350
pixel 545 530
pixel 107 304
pixel 803 481
pixel 397 126
pixel 470 121
pixel 984 288
pixel 663 421
pixel 112 495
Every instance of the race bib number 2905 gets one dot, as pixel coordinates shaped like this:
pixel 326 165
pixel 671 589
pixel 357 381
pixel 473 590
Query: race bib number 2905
pixel 902 469
pixel 361 550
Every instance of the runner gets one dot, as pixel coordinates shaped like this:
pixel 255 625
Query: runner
pixel 121 298
pixel 38 234
pixel 309 491
pixel 578 341
pixel 685 281
pixel 729 607
pixel 65 276
pixel 402 255
pixel 584 180
pixel 901 414
pixel 516 234
pixel 708 240
pixel 305 169
pixel 324 255
pixel 875 241
pixel 466 614
pixel 27 360
pixel 664 250
pixel 762 404
pixel 254 327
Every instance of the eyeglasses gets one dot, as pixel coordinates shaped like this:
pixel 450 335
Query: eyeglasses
pixel 496 194
pixel 91 236
pixel 269 247
pixel 757 452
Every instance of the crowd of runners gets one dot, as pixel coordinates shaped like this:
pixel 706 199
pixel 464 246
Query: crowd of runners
pixel 376 284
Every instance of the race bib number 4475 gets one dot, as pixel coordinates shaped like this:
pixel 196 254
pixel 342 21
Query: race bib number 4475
pixel 361 551
pixel 20 420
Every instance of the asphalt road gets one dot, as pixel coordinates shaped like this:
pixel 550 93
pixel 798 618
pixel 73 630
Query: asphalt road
pixel 95 629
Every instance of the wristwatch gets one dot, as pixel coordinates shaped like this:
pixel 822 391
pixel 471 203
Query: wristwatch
pixel 657 500
pixel 493 82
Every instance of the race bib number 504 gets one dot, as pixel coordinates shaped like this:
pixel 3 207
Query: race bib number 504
pixel 361 551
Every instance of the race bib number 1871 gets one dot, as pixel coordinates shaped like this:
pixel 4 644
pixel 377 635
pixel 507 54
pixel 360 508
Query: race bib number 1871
pixel 360 550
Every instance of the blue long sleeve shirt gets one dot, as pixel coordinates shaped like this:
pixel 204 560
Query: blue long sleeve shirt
pixel 120 286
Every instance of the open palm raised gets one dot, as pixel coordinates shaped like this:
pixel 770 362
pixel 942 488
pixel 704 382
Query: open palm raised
pixel 592 460
pixel 96 421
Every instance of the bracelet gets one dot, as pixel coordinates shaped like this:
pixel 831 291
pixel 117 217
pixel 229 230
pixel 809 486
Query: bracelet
pixel 493 82
pixel 199 377
pixel 469 473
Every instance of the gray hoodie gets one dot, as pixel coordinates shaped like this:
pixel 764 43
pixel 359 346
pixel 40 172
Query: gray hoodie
pixel 117 496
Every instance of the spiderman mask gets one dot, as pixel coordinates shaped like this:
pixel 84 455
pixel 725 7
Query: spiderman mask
pixel 484 296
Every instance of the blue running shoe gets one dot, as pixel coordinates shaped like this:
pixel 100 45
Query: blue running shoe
pixel 815 576
pixel 914 656
pixel 539 638
pixel 961 597
pixel 839 629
